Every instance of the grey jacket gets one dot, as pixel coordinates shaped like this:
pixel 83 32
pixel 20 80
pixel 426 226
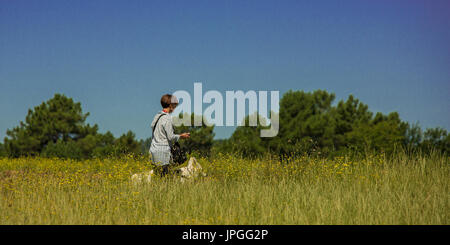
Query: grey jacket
pixel 164 130
pixel 163 137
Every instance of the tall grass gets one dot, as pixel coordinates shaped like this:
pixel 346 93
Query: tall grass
pixel 371 189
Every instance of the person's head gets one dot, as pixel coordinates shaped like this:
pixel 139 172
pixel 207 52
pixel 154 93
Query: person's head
pixel 169 102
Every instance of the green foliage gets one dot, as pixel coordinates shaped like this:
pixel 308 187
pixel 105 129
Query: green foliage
pixel 128 144
pixel 246 140
pixel 57 128
pixel 145 145
pixel 305 117
pixel 436 138
pixel 201 139
pixel 58 119
pixel 63 149
pixel 413 136
pixel 383 133
pixel 2 150
pixel 308 124
pixel 221 146
pixel 347 118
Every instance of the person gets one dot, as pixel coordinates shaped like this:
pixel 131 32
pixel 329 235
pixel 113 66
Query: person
pixel 163 135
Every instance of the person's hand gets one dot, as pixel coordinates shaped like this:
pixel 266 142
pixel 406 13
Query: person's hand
pixel 185 135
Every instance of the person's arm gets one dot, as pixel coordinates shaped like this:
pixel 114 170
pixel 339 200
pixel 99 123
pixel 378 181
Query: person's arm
pixel 168 127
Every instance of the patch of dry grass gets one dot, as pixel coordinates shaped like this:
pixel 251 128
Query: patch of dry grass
pixel 408 189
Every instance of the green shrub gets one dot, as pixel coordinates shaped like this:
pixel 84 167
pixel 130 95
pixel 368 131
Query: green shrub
pixel 61 149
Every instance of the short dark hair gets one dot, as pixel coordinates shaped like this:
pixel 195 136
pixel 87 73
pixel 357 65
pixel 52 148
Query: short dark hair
pixel 166 100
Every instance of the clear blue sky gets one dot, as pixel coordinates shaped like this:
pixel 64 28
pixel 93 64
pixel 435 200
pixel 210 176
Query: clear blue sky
pixel 118 57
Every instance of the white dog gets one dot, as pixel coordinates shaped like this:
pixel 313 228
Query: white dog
pixel 192 170
pixel 142 177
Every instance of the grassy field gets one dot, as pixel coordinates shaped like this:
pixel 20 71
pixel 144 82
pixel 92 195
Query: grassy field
pixel 407 189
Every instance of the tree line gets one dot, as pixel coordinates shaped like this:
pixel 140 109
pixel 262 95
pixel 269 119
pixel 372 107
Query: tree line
pixel 309 123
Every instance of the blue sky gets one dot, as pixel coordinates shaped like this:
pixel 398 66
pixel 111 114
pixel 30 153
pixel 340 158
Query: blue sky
pixel 118 57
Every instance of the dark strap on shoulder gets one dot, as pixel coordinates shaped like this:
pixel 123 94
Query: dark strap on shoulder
pixel 153 131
